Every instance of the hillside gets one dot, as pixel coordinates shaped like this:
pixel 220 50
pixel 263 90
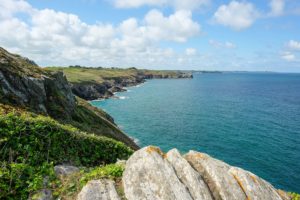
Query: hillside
pixel 25 85
pixel 96 83
pixel 31 145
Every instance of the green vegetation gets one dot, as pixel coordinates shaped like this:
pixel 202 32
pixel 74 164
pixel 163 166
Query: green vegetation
pixel 18 65
pixel 31 144
pixel 294 196
pixel 68 187
pixel 99 75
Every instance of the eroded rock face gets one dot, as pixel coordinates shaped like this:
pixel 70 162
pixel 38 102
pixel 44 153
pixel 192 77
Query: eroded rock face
pixel 103 189
pixel 150 174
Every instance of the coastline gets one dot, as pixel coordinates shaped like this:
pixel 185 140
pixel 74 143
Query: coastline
pixel 91 91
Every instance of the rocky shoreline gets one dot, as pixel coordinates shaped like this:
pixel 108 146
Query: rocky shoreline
pixel 98 91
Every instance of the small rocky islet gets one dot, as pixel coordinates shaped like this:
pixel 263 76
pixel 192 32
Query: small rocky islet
pixel 49 133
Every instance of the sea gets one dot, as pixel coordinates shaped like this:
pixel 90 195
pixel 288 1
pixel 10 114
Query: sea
pixel 249 120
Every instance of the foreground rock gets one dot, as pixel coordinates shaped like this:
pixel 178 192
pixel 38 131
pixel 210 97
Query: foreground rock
pixel 99 190
pixel 150 174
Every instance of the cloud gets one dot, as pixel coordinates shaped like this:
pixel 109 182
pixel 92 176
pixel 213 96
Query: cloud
pixel 277 7
pixel 57 38
pixel 176 4
pixel 8 8
pixel 190 51
pixel 236 15
pixel 293 45
pixel 177 27
pixel 288 56
pixel 216 44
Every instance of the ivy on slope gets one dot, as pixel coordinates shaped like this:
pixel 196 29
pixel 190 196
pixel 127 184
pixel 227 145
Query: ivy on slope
pixel 31 144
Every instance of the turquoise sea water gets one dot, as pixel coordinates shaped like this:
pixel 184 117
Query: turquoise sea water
pixel 250 120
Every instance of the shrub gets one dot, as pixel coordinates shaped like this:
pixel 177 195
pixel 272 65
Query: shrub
pixel 30 145
pixel 35 139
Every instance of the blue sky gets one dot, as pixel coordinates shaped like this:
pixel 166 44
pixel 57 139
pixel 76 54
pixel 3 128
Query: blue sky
pixel 156 34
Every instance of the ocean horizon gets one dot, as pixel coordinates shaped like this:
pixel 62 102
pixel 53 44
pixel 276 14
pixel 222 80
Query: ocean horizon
pixel 250 120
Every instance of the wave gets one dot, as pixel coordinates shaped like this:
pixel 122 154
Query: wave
pixel 137 141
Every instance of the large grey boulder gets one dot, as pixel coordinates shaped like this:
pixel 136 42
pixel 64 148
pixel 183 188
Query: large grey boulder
pixel 188 176
pixel 103 189
pixel 149 176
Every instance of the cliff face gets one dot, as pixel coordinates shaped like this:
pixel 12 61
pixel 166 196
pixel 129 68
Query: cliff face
pixel 151 174
pixel 24 84
pixel 93 91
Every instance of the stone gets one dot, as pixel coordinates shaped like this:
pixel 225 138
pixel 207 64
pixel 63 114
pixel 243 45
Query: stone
pixel 188 176
pixel 221 183
pixel 253 186
pixel 103 189
pixel 65 170
pixel 149 176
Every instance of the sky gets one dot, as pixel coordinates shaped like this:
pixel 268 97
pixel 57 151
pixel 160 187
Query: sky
pixel 243 35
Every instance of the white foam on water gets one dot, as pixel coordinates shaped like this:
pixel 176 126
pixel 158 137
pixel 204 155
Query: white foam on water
pixel 123 97
pixel 137 141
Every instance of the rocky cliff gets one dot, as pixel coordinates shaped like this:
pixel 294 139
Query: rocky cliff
pixel 151 174
pixel 26 85
pixel 98 83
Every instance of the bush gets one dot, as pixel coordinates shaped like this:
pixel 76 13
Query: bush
pixel 294 196
pixel 30 145
pixel 35 139
pixel 18 180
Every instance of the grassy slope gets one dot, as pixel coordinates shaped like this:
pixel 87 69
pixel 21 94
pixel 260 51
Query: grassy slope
pixel 84 116
pixel 31 144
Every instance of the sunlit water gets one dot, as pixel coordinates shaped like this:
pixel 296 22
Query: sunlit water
pixel 250 120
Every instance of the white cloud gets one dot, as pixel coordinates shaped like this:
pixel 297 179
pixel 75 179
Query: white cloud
pixel 138 3
pixel 190 51
pixel 177 27
pixel 177 4
pixel 293 45
pixel 288 56
pixel 237 15
pixel 277 7
pixel 57 38
pixel 216 44
pixel 9 7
